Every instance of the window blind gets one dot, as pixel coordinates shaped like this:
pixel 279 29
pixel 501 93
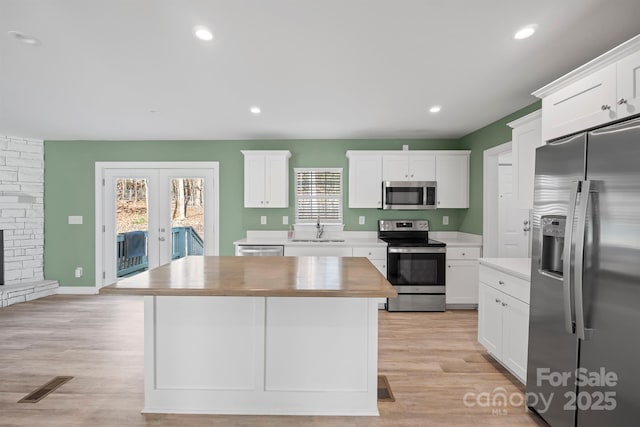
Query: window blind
pixel 318 194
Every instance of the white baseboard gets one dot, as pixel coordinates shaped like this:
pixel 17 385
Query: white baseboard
pixel 77 290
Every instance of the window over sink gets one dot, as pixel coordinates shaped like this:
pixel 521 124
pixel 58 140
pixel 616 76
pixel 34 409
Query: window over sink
pixel 318 195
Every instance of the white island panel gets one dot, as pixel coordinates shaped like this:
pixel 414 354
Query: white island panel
pixel 192 330
pixel 261 355
pixel 316 344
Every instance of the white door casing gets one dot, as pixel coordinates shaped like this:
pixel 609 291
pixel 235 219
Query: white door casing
pixel 158 175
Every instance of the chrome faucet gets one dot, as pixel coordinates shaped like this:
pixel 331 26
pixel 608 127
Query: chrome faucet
pixel 319 229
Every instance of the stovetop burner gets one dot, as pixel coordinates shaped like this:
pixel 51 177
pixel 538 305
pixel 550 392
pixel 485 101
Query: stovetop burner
pixel 410 232
pixel 407 242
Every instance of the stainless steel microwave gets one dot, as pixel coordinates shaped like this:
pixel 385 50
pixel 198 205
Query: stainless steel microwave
pixel 409 195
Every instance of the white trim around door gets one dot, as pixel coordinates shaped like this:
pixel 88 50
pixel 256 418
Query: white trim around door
pixel 490 199
pixel 101 171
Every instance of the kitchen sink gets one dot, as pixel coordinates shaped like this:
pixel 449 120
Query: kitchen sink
pixel 318 240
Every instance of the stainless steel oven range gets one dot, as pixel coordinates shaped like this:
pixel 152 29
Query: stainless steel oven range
pixel 415 265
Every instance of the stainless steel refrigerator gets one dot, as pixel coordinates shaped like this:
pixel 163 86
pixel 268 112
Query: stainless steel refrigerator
pixel 584 329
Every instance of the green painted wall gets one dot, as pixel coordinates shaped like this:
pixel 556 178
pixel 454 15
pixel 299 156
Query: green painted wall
pixel 69 190
pixel 489 136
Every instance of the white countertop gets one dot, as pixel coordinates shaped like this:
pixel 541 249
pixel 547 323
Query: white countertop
pixel 519 267
pixel 351 238
pixel 457 238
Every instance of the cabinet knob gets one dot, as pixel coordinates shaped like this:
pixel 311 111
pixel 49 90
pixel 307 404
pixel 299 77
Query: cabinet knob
pixel 267 202
pixel 449 266
pixel 369 253
pixel 406 176
pixel 605 107
pixel 411 175
pixel 500 282
pixel 622 101
pixel 438 201
pixel 463 254
pixel 497 300
pixel 262 202
pixel 504 304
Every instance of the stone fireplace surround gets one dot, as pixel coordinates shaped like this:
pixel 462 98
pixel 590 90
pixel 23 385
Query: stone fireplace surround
pixel 22 219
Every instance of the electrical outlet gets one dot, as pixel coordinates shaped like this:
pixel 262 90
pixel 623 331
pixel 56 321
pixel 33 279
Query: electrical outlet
pixel 445 220
pixel 285 220
pixel 263 220
pixel 78 272
pixel 361 220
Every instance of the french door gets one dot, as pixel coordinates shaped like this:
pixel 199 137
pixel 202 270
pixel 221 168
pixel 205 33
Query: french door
pixel 153 215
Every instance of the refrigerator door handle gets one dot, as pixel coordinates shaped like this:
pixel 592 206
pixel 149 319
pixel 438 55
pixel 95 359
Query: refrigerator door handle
pixel 569 314
pixel 579 261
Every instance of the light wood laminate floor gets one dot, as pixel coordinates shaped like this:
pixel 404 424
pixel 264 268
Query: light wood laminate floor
pixel 432 360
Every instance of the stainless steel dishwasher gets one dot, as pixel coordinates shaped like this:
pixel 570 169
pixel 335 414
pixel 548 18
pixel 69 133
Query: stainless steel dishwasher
pixel 260 250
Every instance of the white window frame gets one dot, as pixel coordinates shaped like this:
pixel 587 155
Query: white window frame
pixel 339 222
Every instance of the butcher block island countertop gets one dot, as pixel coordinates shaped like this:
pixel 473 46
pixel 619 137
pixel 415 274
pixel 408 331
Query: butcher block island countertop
pixel 260 335
pixel 306 276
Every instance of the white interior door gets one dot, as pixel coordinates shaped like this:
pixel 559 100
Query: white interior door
pixel 155 215
pixel 513 222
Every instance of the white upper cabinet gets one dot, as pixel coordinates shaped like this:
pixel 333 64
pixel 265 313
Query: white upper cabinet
pixel 266 178
pixel 452 176
pixel 408 166
pixel 628 100
pixel 526 136
pixel 365 180
pixel 603 90
pixel 367 170
pixel 586 103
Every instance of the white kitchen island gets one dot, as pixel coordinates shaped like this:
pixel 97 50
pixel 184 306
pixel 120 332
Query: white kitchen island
pixel 260 335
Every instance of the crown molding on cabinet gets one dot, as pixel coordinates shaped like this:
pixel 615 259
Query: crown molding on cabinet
pixel 602 61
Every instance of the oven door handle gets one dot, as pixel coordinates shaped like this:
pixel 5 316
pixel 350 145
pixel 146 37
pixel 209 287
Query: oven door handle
pixel 420 250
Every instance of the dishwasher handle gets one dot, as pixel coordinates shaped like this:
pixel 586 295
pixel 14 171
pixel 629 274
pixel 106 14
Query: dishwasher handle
pixel 245 250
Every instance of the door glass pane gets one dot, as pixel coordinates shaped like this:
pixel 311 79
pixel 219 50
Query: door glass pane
pixel 187 217
pixel 132 219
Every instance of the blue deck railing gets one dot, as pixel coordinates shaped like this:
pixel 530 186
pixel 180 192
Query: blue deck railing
pixel 185 241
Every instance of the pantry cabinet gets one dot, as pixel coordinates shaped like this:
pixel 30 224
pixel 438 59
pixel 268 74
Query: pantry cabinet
pixel 266 178
pixel 603 90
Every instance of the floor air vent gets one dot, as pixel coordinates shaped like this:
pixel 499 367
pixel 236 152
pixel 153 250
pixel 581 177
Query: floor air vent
pixel 42 391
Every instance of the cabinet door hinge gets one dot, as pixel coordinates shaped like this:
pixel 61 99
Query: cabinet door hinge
pixel 103 182
pixel 104 228
pixel 104 275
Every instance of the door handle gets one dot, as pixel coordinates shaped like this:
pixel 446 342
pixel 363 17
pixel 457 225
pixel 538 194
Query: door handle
pixel 526 227
pixel 579 262
pixel 569 313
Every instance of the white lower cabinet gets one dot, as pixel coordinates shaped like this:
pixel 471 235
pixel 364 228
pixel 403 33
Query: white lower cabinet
pixel 503 327
pixel 318 251
pixel 462 277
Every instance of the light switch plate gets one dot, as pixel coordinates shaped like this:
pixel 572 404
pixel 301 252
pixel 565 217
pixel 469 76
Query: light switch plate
pixel 361 220
pixel 75 219
pixel 285 219
pixel 445 220
pixel 263 220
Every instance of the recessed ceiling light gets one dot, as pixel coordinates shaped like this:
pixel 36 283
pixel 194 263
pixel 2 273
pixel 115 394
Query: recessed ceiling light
pixel 24 38
pixel 525 32
pixel 255 110
pixel 435 109
pixel 203 33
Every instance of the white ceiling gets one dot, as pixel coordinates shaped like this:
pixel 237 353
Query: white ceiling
pixel 317 68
